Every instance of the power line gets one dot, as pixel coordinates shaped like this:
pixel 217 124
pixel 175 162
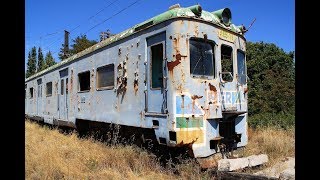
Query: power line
pixel 96 14
pixel 112 16
pixel 47 47
pixel 101 21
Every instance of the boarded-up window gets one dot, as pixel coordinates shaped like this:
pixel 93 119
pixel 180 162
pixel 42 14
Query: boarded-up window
pixel 49 89
pixel 156 64
pixel 31 92
pixel 84 81
pixel 105 77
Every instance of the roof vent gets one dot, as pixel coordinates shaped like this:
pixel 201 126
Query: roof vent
pixel 174 6
pixel 196 9
pixel 224 15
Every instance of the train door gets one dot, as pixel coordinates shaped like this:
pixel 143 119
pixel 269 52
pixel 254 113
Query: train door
pixel 155 69
pixel 39 97
pixel 229 85
pixel 63 95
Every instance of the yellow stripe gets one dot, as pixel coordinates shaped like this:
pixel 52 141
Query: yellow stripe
pixel 190 136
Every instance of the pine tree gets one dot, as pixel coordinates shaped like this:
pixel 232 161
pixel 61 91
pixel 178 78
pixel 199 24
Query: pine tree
pixel 41 64
pixel 49 60
pixel 32 62
pixel 79 44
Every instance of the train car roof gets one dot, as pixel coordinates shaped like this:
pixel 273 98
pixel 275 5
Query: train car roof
pixel 192 12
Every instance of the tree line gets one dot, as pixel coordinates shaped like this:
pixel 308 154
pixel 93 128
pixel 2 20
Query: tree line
pixel 270 70
pixel 36 61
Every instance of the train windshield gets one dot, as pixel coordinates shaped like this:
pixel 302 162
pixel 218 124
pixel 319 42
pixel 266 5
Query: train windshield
pixel 241 67
pixel 201 58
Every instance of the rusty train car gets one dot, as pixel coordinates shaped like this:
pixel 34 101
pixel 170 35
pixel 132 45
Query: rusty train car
pixel 179 77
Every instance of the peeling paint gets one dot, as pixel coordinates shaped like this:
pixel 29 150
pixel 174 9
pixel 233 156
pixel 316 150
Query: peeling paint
pixel 194 97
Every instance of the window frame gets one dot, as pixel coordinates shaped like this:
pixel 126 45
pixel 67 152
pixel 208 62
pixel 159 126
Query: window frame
pixel 84 91
pixel 232 60
pixel 31 95
pixel 162 67
pixel 245 65
pixel 49 95
pixel 61 86
pixel 214 61
pixel 97 77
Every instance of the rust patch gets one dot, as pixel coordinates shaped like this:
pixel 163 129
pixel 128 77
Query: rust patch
pixel 212 88
pixel 135 86
pixel 171 65
pixel 122 80
pixel 245 90
pixel 194 97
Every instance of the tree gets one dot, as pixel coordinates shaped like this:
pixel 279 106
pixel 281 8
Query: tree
pixel 41 64
pixel 79 44
pixel 32 62
pixel 49 60
pixel 271 72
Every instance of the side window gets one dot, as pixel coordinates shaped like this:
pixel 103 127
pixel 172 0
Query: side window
pixel 105 77
pixel 31 92
pixel 202 61
pixel 67 86
pixel 49 89
pixel 62 86
pixel 84 81
pixel 226 63
pixel 241 67
pixel 156 66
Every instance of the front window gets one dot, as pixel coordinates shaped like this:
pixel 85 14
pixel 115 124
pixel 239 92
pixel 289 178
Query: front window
pixel 241 67
pixel 201 58
pixel 226 63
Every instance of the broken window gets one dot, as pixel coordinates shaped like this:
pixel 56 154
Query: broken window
pixel 84 81
pixel 226 63
pixel 31 92
pixel 241 67
pixel 156 66
pixel 49 89
pixel 201 58
pixel 105 77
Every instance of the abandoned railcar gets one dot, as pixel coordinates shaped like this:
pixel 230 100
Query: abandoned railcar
pixel 180 75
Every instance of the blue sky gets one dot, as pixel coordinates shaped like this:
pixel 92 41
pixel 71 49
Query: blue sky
pixel 45 21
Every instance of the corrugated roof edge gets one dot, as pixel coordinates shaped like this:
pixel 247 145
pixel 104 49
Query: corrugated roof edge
pixel 170 14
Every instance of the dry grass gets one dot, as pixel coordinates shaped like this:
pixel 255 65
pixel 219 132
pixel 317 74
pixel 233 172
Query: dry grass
pixel 53 155
pixel 277 144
